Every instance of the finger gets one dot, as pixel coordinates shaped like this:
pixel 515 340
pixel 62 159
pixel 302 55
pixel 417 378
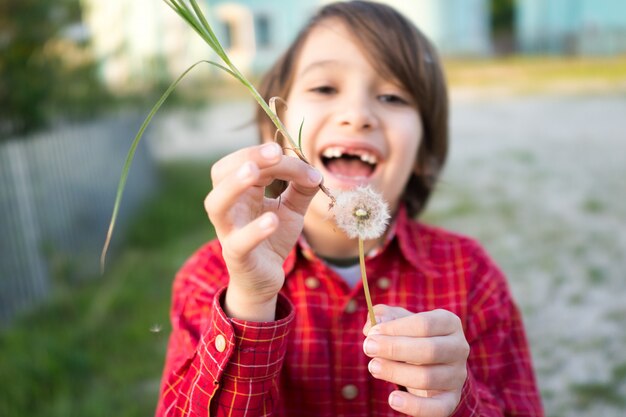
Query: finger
pixel 263 156
pixel 303 178
pixel 417 350
pixel 238 244
pixel 297 197
pixel 385 313
pixel 441 405
pixel 426 324
pixel 420 377
pixel 221 200
pixel 292 170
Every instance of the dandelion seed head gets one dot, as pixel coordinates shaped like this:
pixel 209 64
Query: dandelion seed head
pixel 361 213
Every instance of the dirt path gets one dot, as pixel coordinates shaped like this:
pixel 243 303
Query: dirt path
pixel 542 182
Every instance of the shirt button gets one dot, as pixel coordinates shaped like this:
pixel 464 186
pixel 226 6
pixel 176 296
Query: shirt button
pixel 383 283
pixel 349 392
pixel 351 307
pixel 220 343
pixel 312 283
pixel 308 255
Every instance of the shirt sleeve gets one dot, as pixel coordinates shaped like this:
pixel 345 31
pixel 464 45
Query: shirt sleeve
pixel 219 366
pixel 500 380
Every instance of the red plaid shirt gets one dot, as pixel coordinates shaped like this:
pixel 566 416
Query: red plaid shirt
pixel 310 362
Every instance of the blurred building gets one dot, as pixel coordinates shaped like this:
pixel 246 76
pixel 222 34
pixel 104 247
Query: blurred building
pixel 580 27
pixel 257 31
pixel 456 27
pixel 139 41
pixel 144 39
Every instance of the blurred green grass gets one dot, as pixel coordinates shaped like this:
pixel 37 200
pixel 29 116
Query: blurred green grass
pixel 520 74
pixel 98 348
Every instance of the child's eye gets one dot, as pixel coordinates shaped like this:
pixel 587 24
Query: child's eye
pixel 392 99
pixel 324 89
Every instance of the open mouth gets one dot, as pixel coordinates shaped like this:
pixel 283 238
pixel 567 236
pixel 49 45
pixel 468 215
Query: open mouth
pixel 349 162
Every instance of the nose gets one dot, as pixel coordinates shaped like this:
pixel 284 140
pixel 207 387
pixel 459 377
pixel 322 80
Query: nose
pixel 356 112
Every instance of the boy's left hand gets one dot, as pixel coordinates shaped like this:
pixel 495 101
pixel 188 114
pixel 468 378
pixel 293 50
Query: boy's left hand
pixel 424 352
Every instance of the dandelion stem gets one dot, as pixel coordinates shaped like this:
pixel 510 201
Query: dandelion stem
pixel 366 289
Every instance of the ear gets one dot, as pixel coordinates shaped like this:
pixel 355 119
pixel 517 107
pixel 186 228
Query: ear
pixel 418 165
pixel 417 169
pixel 426 168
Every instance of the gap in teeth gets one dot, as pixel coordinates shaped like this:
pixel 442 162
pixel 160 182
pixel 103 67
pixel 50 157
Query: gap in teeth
pixel 337 152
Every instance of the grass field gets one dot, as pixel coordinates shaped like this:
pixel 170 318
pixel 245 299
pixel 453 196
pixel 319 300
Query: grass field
pixel 98 350
pixel 530 75
pixel 540 180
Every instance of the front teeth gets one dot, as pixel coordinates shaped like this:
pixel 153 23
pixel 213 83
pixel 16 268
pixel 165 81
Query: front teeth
pixel 337 152
pixel 369 158
pixel 332 152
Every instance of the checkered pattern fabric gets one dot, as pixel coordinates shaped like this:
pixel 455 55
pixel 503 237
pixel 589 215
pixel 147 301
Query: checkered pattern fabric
pixel 310 362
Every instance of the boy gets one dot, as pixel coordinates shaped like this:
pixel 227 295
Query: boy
pixel 267 319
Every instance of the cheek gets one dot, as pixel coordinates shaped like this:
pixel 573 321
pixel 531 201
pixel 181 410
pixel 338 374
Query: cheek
pixel 407 144
pixel 301 115
pixel 293 118
pixel 414 135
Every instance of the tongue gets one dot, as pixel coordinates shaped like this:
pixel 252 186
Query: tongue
pixel 349 167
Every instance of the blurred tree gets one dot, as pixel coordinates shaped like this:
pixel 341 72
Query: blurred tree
pixel 502 15
pixel 46 70
pixel 502 24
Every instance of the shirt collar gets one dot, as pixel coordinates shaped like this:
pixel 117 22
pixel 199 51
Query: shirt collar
pixel 402 230
pixel 412 243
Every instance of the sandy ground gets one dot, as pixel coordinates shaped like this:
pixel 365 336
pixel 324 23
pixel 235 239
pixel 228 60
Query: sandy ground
pixel 541 181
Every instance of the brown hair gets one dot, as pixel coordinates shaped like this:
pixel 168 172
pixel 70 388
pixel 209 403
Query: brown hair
pixel 396 48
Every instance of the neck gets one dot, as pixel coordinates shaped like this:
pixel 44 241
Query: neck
pixel 327 241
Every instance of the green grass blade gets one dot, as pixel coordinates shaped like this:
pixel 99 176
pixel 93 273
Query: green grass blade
pixel 198 24
pixel 202 27
pixel 206 26
pixel 195 17
pixel 300 136
pixel 133 148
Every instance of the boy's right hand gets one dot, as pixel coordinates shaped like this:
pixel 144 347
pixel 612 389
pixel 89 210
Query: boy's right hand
pixel 257 233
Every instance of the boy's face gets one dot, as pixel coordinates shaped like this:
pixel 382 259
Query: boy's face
pixel 359 127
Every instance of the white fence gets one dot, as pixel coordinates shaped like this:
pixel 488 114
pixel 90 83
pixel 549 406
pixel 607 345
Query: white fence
pixel 56 195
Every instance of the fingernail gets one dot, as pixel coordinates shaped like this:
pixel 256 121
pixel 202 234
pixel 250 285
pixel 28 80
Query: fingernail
pixel 382 319
pixel 374 330
pixel 267 222
pixel 245 171
pixel 370 347
pixel 314 176
pixel 396 401
pixel 270 150
pixel 374 366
